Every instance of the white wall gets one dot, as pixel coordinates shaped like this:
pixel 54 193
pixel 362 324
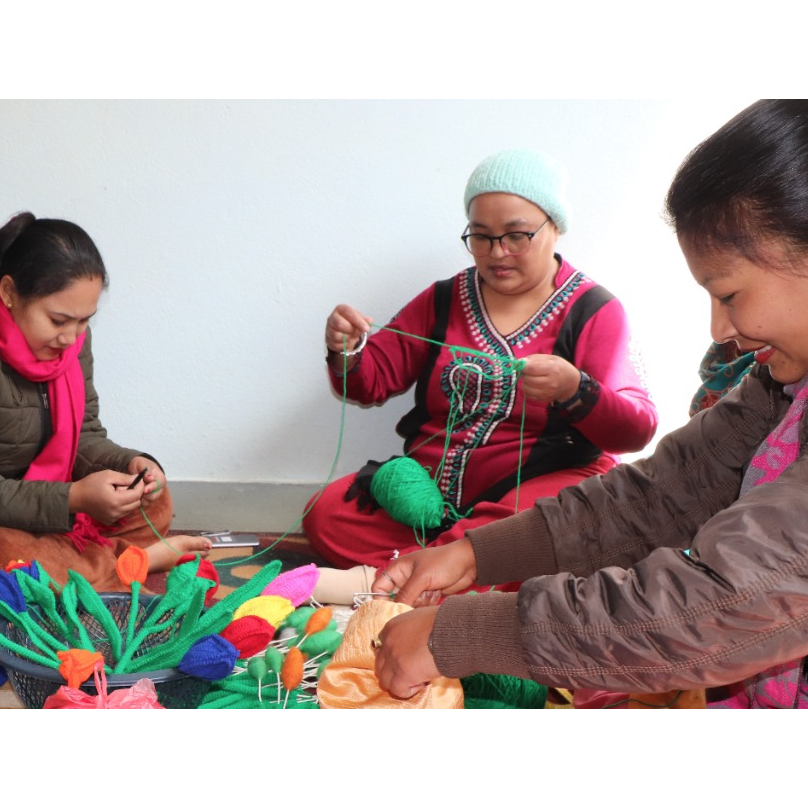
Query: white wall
pixel 230 229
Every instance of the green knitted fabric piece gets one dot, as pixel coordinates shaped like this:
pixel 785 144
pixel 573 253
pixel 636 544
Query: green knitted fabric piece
pixel 240 692
pixel 484 691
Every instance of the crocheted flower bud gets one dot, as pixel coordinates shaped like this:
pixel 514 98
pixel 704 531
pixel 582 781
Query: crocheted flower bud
pixel 211 657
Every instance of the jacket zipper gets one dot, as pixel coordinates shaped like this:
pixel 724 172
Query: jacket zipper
pixel 47 425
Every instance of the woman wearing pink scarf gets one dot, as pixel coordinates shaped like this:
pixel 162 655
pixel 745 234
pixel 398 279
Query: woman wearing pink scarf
pixel 65 499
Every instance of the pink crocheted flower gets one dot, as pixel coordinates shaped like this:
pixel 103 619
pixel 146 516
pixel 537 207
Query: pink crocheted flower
pixel 295 585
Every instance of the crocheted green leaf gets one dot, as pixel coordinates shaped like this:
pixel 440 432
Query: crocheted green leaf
pixel 41 595
pixel 95 606
pixel 70 603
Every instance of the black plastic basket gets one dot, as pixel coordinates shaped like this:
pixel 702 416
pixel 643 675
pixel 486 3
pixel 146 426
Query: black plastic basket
pixel 33 683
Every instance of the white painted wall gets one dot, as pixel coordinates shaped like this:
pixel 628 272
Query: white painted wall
pixel 230 229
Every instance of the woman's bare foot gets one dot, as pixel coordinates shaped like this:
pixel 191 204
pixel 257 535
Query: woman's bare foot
pixel 164 554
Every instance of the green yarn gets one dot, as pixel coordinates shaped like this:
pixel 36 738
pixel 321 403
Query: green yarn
pixel 403 487
pixel 484 691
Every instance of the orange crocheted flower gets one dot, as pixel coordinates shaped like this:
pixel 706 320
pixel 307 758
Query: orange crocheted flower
pixel 78 665
pixel 133 565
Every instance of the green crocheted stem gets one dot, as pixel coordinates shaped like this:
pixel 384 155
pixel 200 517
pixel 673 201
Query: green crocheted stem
pixel 27 653
pixel 224 701
pixel 247 698
pixel 192 614
pixel 70 603
pixel 96 608
pixel 126 656
pixel 39 636
pixel 174 606
pixel 168 655
pixel 38 594
pixel 134 603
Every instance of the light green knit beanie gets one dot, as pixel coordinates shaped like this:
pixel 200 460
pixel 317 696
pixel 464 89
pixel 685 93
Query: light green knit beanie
pixel 530 174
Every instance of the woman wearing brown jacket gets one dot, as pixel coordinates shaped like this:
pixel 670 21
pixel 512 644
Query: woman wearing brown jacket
pixel 70 498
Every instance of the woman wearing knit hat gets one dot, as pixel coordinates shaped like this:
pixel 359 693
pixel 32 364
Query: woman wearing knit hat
pixel 525 381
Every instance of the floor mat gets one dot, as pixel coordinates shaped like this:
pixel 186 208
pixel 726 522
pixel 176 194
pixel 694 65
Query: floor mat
pixel 235 565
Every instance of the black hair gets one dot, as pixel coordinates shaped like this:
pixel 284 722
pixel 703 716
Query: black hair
pixel 44 256
pixel 747 184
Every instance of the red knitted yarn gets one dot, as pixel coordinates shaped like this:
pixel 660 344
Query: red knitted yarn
pixel 249 634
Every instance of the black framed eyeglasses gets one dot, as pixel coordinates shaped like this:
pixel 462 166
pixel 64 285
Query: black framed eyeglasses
pixel 515 243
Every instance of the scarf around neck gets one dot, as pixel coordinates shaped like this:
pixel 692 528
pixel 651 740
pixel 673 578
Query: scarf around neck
pixel 66 398
pixel 781 448
pixel 65 382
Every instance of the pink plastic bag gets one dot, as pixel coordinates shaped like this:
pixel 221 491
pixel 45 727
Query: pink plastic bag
pixel 141 696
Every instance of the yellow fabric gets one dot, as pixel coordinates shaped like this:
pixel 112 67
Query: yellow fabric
pixel 349 681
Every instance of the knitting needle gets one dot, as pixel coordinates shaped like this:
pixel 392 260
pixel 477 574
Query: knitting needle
pixel 136 480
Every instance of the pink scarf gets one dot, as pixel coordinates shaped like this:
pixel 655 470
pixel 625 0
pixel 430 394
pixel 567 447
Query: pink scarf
pixel 66 397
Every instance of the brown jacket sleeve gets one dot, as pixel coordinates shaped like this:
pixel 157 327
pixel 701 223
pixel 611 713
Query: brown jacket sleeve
pixel 672 581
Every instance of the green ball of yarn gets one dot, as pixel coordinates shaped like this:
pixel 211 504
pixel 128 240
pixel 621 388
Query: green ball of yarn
pixel 403 487
pixel 488 691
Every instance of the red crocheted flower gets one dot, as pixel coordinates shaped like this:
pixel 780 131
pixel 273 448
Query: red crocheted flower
pixel 205 570
pixel 249 634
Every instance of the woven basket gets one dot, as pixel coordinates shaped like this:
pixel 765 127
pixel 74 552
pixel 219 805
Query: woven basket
pixel 33 683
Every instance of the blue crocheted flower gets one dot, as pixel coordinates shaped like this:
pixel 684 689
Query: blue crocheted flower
pixel 211 657
pixel 10 593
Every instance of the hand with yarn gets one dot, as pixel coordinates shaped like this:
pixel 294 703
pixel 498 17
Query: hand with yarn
pixel 423 577
pixel 549 378
pixel 104 496
pixel 344 328
pixel 154 480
